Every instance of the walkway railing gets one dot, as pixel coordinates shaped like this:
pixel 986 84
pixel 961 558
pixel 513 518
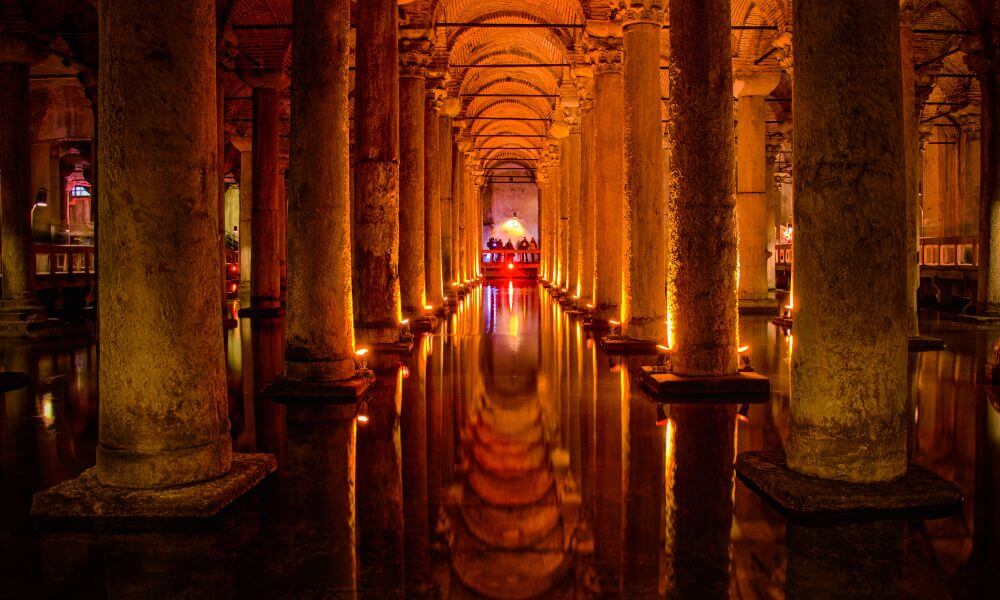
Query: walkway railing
pixel 532 256
pixel 950 252
pixel 58 265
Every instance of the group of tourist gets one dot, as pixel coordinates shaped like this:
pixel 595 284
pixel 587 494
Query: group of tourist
pixel 528 250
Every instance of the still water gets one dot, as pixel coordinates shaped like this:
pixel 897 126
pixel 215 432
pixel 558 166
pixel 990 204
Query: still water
pixel 507 458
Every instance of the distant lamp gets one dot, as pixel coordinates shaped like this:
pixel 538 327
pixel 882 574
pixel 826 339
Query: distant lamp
pixel 42 197
pixel 361 414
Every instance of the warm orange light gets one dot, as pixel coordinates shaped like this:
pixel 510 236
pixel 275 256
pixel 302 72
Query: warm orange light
pixel 404 322
pixel 615 323
pixel 428 307
pixel 405 371
pixel 743 349
pixel 361 351
pixel 363 419
pixel 663 349
pixel 510 266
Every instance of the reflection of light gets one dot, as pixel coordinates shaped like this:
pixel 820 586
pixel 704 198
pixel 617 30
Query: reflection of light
pixel 404 322
pixel 743 414
pixel 363 419
pixel 661 416
pixel 663 349
pixel 669 445
pixel 404 372
pixel 48 411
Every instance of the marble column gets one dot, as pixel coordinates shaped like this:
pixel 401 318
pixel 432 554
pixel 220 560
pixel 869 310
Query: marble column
pixel 376 204
pixel 414 57
pixel 460 199
pixel 609 133
pixel 969 172
pixel 703 262
pixel 18 51
pixel 751 190
pixel 588 215
pixel 986 65
pixel 911 149
pixel 163 381
pixel 446 157
pixel 565 215
pixel 644 302
pixel 849 371
pixel 245 146
pixel 319 340
pixel 573 159
pixel 265 274
pixel 433 230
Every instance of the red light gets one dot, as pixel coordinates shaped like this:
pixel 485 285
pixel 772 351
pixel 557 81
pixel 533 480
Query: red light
pixel 510 266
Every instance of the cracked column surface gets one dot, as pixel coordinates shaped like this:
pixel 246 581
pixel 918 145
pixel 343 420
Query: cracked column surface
pixel 162 375
pixel 644 301
pixel 849 370
pixel 414 56
pixel 609 134
pixel 376 205
pixel 433 231
pixel 703 216
pixel 319 341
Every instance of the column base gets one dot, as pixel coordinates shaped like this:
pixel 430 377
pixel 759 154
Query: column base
pixel 920 493
pixel 983 319
pixel 85 499
pixel 618 344
pixel 783 322
pixel 758 306
pixel 923 343
pixel 342 394
pixel 741 388
pixel 264 312
pixel 424 324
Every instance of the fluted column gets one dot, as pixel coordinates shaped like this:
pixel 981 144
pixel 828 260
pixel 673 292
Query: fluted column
pixel 609 118
pixel 245 146
pixel 376 203
pixel 163 383
pixel 433 230
pixel 414 57
pixel 319 343
pixel 265 236
pixel 18 51
pixel 849 369
pixel 644 303
pixel 751 190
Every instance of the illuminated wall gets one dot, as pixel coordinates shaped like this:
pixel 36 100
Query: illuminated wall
pixel 506 201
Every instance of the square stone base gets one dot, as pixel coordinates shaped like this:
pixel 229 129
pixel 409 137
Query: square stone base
pixel 251 312
pixel 758 306
pixel 920 493
pixel 334 393
pixel 393 348
pixel 923 343
pixel 86 498
pixel 984 319
pixel 742 388
pixel 424 324
pixel 616 345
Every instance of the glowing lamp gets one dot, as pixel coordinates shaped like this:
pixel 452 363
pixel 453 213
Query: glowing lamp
pixel 743 414
pixel 510 266
pixel 404 322
pixel 743 349
pixel 404 371
pixel 363 419
pixel 428 307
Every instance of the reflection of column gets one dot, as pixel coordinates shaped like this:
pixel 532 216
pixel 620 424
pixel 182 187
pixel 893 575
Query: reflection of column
pixel 866 558
pixel 413 447
pixel 145 565
pixel 644 304
pixel 703 220
pixel 320 323
pixel 609 134
pixel 433 231
pixel 414 56
pixel 245 146
pixel 376 204
pixel 608 481
pixel 751 187
pixel 848 381
pixel 17 53
pixel 163 397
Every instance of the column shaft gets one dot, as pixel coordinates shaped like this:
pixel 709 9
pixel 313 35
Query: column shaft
pixel 319 342
pixel 609 131
pixel 574 161
pixel 911 150
pixel 588 228
pixel 15 183
pixel 265 276
pixel 644 303
pixel 433 230
pixel 565 213
pixel 751 198
pixel 849 368
pixel 988 292
pixel 412 93
pixel 376 206
pixel 445 151
pixel 461 199
pixel 246 212
pixel 163 383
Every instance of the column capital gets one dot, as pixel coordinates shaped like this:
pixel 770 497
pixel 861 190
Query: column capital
pixel 436 91
pixel 755 84
pixel 783 47
pixel 635 12
pixel 227 48
pixel 605 53
pixel 243 143
pixel 970 125
pixel 414 56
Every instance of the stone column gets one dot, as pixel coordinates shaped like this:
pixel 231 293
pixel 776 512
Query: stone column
pixel 446 151
pixel 609 118
pixel 433 229
pixel 849 370
pixel 414 57
pixel 703 267
pixel 18 51
pixel 265 275
pixel 245 146
pixel 319 340
pixel 573 159
pixel 644 303
pixel 163 381
pixel 970 169
pixel 751 191
pixel 376 204
pixel 564 215
pixel 985 64
pixel 911 150
pixel 588 226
